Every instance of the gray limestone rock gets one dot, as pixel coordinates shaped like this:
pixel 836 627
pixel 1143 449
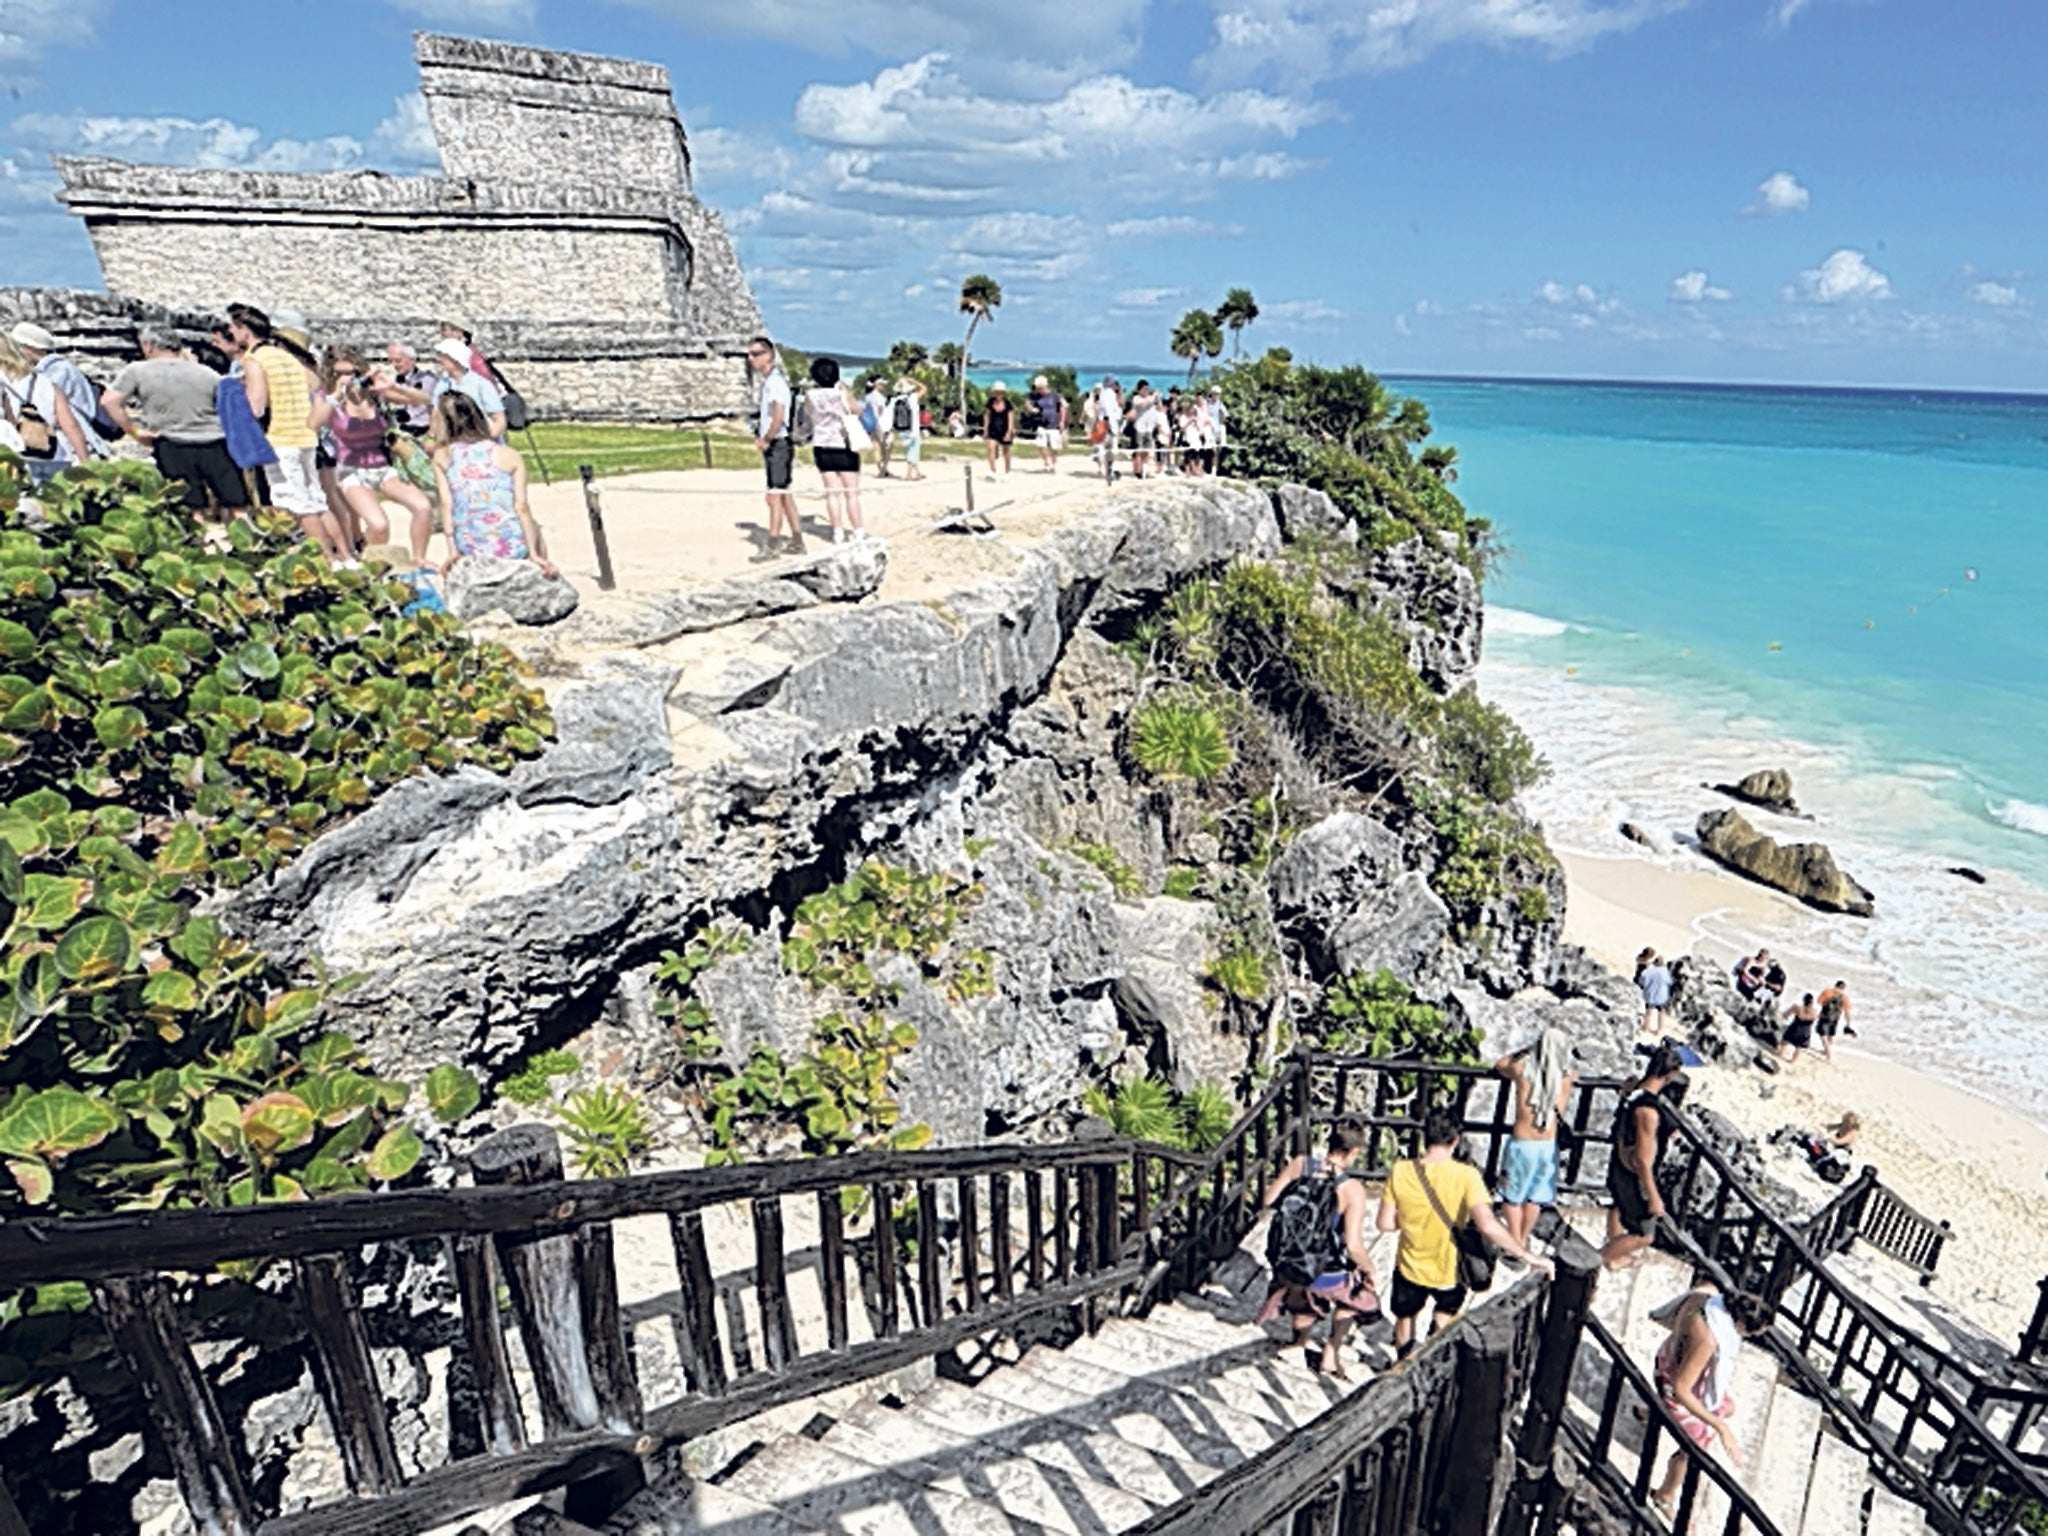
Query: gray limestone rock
pixel 480 584
pixel 1805 870
pixel 1340 890
pixel 1303 511
pixel 1425 585
pixel 1161 995
pixel 843 573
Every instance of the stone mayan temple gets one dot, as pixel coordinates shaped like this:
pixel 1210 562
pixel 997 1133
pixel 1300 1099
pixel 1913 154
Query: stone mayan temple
pixel 562 228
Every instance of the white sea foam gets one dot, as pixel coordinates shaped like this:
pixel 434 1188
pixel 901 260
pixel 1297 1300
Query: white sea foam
pixel 1948 975
pixel 1512 621
pixel 2021 815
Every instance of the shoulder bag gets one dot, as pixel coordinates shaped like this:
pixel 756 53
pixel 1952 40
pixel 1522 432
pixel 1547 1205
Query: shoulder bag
pixel 1475 1254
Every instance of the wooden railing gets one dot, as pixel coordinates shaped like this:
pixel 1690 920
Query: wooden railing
pixel 1871 1210
pixel 859 1265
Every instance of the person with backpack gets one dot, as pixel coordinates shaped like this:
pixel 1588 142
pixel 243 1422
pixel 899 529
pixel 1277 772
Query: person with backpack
pixel 906 420
pixel 1317 1246
pixel 49 431
pixel 95 427
pixel 1641 1127
pixel 1428 1200
pixel 1832 1019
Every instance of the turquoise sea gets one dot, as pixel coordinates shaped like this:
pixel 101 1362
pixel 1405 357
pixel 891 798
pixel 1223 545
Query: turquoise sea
pixel 1851 584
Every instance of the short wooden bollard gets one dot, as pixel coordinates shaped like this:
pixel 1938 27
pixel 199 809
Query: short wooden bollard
pixel 967 472
pixel 605 578
pixel 706 436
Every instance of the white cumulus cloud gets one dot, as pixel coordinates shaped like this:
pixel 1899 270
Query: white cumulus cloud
pixel 31 28
pixel 1302 41
pixel 402 140
pixel 1780 193
pixel 1844 277
pixel 501 15
pixel 1694 288
pixel 1996 295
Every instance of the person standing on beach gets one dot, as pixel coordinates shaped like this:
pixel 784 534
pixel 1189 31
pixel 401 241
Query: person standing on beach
pixel 1543 1079
pixel 874 415
pixel 1641 1128
pixel 832 449
pixel 1654 978
pixel 1799 1022
pixel 778 450
pixel 1834 1017
pixel 1052 422
pixel 906 420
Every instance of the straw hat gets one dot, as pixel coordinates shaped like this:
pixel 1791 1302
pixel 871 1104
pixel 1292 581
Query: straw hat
pixel 34 337
pixel 999 388
pixel 292 325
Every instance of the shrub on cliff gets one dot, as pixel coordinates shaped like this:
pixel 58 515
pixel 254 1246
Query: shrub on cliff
pixel 1480 747
pixel 180 710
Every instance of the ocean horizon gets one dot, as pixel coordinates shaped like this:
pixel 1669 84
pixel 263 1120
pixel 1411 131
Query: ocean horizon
pixel 1703 580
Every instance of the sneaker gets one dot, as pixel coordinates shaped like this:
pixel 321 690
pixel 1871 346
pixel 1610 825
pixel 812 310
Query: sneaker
pixel 838 535
pixel 797 547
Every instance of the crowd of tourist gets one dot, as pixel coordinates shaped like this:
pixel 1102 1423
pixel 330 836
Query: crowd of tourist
pixel 256 416
pixel 1760 982
pixel 1321 1215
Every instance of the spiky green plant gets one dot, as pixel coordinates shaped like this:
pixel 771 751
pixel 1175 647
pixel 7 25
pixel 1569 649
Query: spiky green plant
pixel 607 1129
pixel 1180 738
pixel 1206 1116
pixel 1241 974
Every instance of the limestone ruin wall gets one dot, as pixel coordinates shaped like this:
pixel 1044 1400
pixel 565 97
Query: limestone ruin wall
pixel 563 229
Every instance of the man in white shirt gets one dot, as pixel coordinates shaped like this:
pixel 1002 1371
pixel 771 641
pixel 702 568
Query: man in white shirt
pixel 778 452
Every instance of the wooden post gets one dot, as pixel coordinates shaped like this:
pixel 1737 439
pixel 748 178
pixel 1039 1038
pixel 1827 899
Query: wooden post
pixel 605 579
pixel 476 1282
pixel 967 473
pixel 1564 1320
pixel 185 1418
pixel 2037 1329
pixel 345 1373
pixel 1304 1098
pixel 1470 1478
pixel 706 436
pixel 1934 1247
pixel 542 1275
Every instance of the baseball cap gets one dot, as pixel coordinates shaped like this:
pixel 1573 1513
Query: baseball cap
pixel 29 334
pixel 455 351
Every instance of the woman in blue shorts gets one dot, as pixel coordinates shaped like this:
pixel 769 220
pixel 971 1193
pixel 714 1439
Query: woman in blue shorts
pixel 1543 1079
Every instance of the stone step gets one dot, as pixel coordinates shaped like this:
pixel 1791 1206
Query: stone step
pixel 1056 1498
pixel 1153 1420
pixel 1107 1388
pixel 1834 1490
pixel 818 1485
pixel 1783 1460
pixel 1195 1379
pixel 1158 1478
pixel 702 1509
pixel 1893 1515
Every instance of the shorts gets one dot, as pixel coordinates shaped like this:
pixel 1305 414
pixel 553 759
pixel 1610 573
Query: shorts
pixel 1799 1034
pixel 322 459
pixel 1329 1295
pixel 1631 1205
pixel 1827 1027
pixel 1697 1430
pixel 913 447
pixel 836 461
pixel 779 459
pixel 1530 1175
pixel 1052 437
pixel 370 476
pixel 1409 1298
pixel 295 482
pixel 206 470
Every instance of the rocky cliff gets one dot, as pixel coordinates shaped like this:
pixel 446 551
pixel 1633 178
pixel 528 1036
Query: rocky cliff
pixel 730 774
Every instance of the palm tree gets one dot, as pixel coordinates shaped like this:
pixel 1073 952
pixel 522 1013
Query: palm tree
pixel 1441 460
pixel 907 356
pixel 1238 310
pixel 1197 335
pixel 980 297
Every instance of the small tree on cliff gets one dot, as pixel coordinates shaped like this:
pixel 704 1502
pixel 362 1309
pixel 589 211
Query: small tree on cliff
pixel 980 297
pixel 1238 310
pixel 1198 335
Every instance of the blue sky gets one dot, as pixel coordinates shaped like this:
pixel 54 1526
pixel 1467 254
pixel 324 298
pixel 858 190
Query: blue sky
pixel 1841 191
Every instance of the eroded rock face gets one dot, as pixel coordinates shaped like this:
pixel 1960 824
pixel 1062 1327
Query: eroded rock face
pixel 1161 996
pixel 1342 892
pixel 1303 511
pixel 480 584
pixel 1805 870
pixel 1769 789
pixel 1422 583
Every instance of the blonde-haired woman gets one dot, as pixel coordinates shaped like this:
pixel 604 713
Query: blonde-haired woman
pixel 353 417
pixel 51 438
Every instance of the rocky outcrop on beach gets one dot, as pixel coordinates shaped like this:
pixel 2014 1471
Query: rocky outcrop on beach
pixel 1805 870
pixel 1768 789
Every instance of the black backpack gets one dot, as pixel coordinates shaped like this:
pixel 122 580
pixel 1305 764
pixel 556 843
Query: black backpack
pixel 1302 1242
pixel 904 418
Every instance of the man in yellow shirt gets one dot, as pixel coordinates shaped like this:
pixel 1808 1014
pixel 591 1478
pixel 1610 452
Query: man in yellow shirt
pixel 1426 1266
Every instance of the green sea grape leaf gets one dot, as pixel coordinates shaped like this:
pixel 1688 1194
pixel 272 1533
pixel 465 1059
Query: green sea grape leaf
pixel 452 1093
pixel 278 1122
pixel 55 1123
pixel 50 901
pixel 173 990
pixel 396 1153
pixel 95 949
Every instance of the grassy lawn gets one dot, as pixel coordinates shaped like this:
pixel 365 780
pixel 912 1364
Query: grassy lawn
pixel 615 448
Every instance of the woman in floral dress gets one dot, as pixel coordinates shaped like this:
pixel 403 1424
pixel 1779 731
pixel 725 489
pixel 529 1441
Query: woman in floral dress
pixel 483 490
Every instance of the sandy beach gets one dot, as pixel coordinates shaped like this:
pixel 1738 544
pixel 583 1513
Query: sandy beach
pixel 1951 1154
